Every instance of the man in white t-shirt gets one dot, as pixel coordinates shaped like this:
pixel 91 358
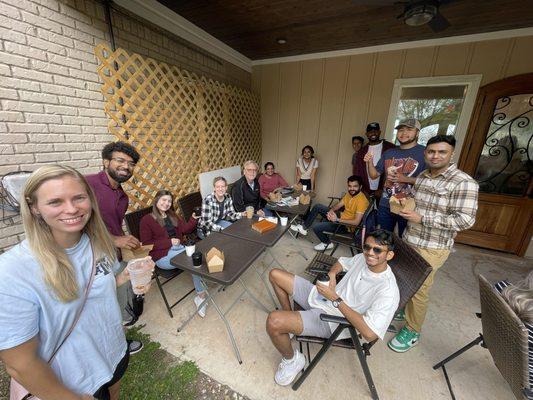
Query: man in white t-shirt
pixel 367 297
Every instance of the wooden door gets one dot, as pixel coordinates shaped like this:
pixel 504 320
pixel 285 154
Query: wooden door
pixel 498 153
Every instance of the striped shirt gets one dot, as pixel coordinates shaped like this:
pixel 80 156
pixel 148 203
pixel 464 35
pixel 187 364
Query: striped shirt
pixel 447 204
pixel 499 287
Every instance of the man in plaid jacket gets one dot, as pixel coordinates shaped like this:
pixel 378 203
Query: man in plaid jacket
pixel 446 203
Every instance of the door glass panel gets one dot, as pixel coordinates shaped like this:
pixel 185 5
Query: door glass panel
pixel 438 108
pixel 505 164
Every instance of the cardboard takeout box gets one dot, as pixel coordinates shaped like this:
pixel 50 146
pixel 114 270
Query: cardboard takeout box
pixel 403 204
pixel 215 260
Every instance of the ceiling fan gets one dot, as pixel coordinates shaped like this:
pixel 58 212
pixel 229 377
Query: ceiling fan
pixel 417 12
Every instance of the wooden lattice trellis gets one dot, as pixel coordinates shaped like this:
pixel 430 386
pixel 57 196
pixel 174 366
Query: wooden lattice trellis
pixel 181 123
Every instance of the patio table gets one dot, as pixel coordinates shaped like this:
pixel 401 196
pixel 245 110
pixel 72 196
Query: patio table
pixel 239 255
pixel 294 212
pixel 242 229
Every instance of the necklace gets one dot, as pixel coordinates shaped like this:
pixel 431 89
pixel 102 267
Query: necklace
pixel 308 165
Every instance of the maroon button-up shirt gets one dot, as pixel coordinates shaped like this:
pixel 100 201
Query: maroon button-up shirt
pixel 112 202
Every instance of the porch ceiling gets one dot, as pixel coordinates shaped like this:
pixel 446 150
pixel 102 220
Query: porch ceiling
pixel 252 27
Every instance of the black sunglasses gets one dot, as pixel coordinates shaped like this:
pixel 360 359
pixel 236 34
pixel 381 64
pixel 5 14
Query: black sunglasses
pixel 377 250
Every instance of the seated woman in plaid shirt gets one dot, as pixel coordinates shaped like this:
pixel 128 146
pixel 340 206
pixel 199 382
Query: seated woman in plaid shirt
pixel 217 209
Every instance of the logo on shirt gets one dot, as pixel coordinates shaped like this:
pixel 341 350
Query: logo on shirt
pixel 406 166
pixel 103 266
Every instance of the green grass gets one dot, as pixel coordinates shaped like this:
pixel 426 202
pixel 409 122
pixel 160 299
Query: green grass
pixel 155 374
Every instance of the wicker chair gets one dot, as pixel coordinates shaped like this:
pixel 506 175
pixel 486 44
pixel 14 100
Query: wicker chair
pixel 410 270
pixel 188 203
pixel 161 276
pixel 506 338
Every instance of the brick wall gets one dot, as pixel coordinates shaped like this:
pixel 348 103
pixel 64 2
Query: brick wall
pixel 51 108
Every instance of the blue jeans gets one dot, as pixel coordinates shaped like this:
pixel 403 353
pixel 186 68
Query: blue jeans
pixel 321 227
pixel 164 263
pixel 222 222
pixel 388 220
pixel 267 212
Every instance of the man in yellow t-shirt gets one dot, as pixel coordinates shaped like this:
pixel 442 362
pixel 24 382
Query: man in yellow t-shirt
pixel 355 204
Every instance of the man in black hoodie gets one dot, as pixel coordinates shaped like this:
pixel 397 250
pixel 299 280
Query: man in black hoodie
pixel 245 191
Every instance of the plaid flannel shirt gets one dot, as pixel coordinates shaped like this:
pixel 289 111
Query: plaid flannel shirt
pixel 210 212
pixel 447 204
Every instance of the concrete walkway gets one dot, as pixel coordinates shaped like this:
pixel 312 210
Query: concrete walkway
pixel 450 324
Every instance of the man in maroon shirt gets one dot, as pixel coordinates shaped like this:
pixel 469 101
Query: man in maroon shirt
pixel 119 159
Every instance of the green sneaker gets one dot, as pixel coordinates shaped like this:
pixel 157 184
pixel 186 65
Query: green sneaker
pixel 404 340
pixel 399 316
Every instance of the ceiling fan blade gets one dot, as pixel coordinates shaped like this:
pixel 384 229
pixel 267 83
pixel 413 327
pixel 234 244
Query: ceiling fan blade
pixel 438 23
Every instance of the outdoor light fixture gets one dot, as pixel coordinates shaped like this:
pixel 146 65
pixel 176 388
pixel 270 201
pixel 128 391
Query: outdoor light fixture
pixel 420 14
pixel 281 40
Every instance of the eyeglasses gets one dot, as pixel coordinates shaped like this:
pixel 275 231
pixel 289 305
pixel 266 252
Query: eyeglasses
pixel 377 250
pixel 251 169
pixel 121 161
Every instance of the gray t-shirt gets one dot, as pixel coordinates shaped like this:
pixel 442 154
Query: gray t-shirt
pixel 28 308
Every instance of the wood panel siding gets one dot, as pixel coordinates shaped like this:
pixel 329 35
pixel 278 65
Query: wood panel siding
pixel 323 102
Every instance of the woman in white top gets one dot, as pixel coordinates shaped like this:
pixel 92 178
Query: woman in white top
pixel 306 167
pixel 42 287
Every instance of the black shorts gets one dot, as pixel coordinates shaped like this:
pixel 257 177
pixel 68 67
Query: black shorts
pixel 103 392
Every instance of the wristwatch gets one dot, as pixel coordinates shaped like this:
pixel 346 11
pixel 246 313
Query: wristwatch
pixel 337 302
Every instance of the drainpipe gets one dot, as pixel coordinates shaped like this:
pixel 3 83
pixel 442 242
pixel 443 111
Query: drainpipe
pixel 107 6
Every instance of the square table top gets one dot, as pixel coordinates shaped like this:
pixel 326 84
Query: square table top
pixel 242 229
pixel 239 254
pixel 299 209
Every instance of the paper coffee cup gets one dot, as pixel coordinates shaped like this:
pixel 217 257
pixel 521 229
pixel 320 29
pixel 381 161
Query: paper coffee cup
pixel 304 188
pixel 189 250
pixel 283 221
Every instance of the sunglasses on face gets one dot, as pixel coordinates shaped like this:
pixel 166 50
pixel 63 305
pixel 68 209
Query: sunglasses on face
pixel 376 250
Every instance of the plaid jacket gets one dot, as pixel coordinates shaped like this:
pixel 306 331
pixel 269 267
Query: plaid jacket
pixel 210 212
pixel 447 203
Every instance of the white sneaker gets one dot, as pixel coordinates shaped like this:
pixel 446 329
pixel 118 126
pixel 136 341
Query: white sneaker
pixel 323 246
pixel 201 311
pixel 299 228
pixel 288 369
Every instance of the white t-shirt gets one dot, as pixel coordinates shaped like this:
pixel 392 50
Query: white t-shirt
pixel 28 308
pixel 305 168
pixel 375 150
pixel 374 295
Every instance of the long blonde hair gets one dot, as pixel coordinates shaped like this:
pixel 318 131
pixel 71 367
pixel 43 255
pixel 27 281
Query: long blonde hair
pixel 520 298
pixel 58 272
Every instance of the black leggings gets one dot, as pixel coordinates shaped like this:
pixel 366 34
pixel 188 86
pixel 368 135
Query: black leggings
pixel 103 392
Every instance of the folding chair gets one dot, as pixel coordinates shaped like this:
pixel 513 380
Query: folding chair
pixel 354 240
pixel 11 186
pixel 161 276
pixel 506 338
pixel 410 270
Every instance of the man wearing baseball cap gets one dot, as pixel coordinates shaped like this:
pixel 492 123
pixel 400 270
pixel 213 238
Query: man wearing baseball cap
pixel 400 166
pixel 376 146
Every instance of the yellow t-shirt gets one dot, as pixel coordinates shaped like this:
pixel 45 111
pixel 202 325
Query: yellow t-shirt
pixel 354 205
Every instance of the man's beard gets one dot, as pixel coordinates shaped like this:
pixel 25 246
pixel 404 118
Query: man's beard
pixel 354 192
pixel 415 139
pixel 118 178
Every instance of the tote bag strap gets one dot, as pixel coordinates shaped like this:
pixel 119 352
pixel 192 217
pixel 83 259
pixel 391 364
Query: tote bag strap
pixel 85 296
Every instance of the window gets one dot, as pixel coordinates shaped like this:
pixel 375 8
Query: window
pixel 442 105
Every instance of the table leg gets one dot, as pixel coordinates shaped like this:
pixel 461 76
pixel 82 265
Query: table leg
pixel 253 297
pixel 228 329
pixel 208 297
pixel 293 235
pixel 262 277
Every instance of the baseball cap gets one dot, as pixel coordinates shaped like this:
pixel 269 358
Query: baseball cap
pixel 373 126
pixel 409 122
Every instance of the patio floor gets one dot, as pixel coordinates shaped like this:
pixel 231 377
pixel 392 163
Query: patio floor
pixel 450 324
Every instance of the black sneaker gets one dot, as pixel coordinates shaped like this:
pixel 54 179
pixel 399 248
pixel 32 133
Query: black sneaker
pixel 134 346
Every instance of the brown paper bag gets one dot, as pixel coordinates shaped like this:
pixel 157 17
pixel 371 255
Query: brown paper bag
pixel 215 260
pixel 403 204
pixel 305 198
pixel 274 196
pixel 139 252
